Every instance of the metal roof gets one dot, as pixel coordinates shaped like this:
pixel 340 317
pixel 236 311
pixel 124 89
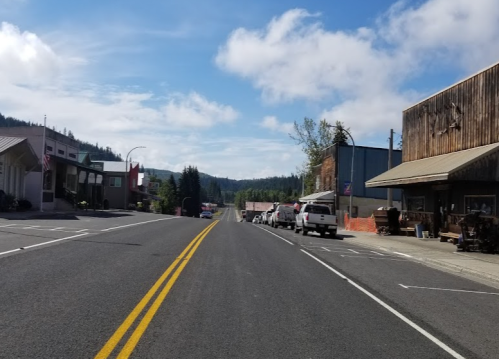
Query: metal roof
pixel 115 166
pixel 21 147
pixel 437 168
pixel 327 196
pixel 9 142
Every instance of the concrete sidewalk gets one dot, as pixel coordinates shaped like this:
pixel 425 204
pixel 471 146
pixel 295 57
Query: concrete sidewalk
pixel 443 255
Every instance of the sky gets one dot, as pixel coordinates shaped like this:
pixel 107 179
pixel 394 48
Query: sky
pixel 219 84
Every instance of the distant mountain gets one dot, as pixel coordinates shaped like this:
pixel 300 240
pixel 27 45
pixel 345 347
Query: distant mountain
pixel 283 183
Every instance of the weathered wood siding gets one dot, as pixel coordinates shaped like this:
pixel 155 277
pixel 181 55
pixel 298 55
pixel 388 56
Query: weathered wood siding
pixel 464 116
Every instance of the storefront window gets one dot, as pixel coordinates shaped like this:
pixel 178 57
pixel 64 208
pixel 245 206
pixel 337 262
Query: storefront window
pixel 415 204
pixel 485 204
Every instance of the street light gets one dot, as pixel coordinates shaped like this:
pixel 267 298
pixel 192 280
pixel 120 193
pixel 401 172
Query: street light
pixel 351 170
pixel 127 188
pixel 182 208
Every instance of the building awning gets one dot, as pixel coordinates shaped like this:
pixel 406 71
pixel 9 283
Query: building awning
pixel 433 169
pixel 319 197
pixel 76 164
pixel 152 196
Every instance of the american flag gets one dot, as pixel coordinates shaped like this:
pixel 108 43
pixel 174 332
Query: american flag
pixel 46 162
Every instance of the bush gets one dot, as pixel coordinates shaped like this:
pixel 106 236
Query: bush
pixel 23 205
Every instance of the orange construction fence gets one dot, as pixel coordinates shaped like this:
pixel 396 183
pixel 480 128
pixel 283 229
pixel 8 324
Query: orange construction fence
pixel 360 224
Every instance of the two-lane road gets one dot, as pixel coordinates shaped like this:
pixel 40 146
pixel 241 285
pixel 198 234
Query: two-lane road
pixel 192 288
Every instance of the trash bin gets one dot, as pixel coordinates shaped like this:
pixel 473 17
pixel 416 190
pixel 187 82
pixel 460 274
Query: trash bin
pixel 419 230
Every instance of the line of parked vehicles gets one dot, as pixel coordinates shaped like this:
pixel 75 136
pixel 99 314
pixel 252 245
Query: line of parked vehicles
pixel 311 217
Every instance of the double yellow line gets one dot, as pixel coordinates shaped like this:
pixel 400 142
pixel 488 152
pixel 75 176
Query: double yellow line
pixel 130 345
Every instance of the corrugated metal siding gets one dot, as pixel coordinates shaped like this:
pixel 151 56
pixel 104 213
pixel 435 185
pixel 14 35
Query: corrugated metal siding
pixel 369 163
pixel 9 142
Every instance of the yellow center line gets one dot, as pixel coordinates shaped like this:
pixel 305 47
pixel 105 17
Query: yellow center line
pixel 144 323
pixel 128 322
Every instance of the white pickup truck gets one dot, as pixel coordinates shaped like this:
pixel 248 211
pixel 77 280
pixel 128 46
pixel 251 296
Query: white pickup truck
pixel 316 217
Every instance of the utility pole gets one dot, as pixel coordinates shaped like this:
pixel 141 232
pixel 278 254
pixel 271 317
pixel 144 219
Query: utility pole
pixel 389 194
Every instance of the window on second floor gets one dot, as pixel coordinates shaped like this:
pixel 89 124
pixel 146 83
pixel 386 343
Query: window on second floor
pixel 114 181
pixel 72 155
pixel 61 152
pixel 49 148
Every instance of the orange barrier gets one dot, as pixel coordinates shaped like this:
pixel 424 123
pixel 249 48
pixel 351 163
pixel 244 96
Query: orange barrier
pixel 360 224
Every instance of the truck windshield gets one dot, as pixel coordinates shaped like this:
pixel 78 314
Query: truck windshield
pixel 318 209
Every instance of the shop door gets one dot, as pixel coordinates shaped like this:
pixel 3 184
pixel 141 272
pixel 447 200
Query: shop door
pixel 440 211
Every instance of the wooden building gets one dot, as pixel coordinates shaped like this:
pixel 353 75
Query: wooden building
pixel 450 154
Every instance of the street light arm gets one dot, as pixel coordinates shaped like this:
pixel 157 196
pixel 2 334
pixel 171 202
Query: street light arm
pixel 352 166
pixel 127 187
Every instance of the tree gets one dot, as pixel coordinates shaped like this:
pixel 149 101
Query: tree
pixel 314 139
pixel 340 136
pixel 189 186
pixel 168 202
pixel 173 185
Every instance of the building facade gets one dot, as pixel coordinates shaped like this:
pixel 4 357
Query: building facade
pixel 66 180
pixel 17 159
pixel 450 154
pixel 334 174
pixel 121 184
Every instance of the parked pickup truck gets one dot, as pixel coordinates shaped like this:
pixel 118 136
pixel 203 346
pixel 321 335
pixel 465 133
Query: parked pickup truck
pixel 283 216
pixel 318 218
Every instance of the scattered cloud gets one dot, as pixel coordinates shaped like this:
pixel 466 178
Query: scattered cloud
pixel 363 71
pixel 35 80
pixel 194 110
pixel 273 124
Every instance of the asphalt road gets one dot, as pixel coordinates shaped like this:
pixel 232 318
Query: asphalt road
pixel 162 287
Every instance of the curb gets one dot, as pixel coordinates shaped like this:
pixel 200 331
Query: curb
pixel 444 265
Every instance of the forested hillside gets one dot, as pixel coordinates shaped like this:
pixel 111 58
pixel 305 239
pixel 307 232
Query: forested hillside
pixel 96 152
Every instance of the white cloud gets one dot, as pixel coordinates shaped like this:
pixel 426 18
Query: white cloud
pixel 194 110
pixel 363 71
pixel 273 124
pixel 36 80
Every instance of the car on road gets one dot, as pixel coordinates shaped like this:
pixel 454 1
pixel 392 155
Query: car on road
pixel 283 216
pixel 206 214
pixel 318 218
pixel 256 219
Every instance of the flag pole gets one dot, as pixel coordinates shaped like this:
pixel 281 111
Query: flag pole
pixel 42 160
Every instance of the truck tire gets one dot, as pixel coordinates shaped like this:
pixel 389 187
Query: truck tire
pixel 304 230
pixel 297 229
pixel 292 226
pixel 333 233
pixel 322 233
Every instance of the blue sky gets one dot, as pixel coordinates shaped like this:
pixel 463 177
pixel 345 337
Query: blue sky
pixel 218 84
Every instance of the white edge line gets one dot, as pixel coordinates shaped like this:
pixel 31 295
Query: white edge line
pixel 12 250
pixel 403 254
pixel 391 310
pixel 327 250
pixel 137 224
pixel 41 244
pixel 448 290
pixel 377 258
pixel 353 251
pixel 55 240
pixel 285 240
pixel 377 253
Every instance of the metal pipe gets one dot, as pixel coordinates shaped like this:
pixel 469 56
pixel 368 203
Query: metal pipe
pixel 127 188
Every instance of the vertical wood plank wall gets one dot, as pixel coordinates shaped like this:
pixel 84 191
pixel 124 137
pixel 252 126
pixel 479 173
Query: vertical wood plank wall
pixel 464 116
